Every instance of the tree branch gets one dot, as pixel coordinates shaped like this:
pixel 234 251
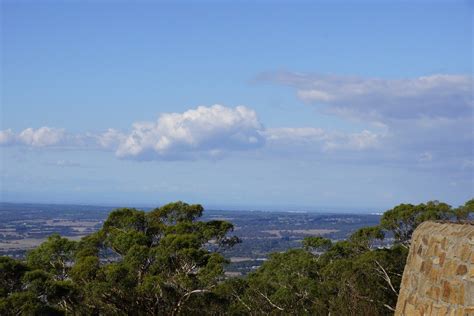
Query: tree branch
pixel 386 277
pixel 270 302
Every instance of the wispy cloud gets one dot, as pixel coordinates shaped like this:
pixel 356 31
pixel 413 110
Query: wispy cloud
pixel 325 141
pixel 432 97
pixel 413 116
pixel 51 137
pixel 64 164
pixel 425 157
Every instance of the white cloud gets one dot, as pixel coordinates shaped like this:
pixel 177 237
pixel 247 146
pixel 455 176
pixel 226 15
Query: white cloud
pixel 216 131
pixel 354 141
pixel 110 139
pixel 468 164
pixel 64 164
pixel 41 137
pixel 204 130
pixel 54 137
pixel 295 134
pixel 7 137
pixel 425 157
pixel 325 141
pixel 413 116
pixel 364 139
pixel 435 96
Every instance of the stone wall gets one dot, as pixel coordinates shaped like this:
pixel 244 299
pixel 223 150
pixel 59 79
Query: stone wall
pixel 439 274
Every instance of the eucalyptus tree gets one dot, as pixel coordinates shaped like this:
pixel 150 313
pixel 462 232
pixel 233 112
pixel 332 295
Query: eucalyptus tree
pixel 165 261
pixel 403 219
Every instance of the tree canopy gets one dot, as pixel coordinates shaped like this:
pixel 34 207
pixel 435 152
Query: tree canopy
pixel 169 262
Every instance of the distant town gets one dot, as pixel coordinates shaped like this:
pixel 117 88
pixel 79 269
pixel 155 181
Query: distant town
pixel 25 226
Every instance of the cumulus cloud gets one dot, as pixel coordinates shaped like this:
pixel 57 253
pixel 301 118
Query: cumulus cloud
pixel 204 130
pixel 110 139
pixel 47 137
pixel 216 131
pixel 41 137
pixel 434 96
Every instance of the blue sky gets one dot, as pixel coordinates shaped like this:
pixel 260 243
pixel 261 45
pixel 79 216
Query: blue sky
pixel 268 104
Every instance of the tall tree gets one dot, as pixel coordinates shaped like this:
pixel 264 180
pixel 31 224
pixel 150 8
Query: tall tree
pixel 404 218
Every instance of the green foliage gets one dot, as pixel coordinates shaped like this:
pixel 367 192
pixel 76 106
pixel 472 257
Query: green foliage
pixel 177 212
pixel 345 280
pixel 366 236
pixel 368 282
pixel 317 244
pixel 167 262
pixel 11 273
pixel 138 263
pixel 285 283
pixel 26 303
pixel 464 212
pixel 53 256
pixel 404 218
pixel 163 260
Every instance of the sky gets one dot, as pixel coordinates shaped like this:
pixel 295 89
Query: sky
pixel 308 105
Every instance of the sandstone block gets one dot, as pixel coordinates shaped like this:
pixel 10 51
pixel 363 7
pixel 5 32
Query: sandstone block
pixel 439 275
pixel 461 269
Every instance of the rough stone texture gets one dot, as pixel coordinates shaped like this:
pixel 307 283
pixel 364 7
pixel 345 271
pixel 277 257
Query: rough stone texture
pixel 439 274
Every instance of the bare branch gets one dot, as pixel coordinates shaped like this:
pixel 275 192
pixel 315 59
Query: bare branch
pixel 386 277
pixel 270 302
